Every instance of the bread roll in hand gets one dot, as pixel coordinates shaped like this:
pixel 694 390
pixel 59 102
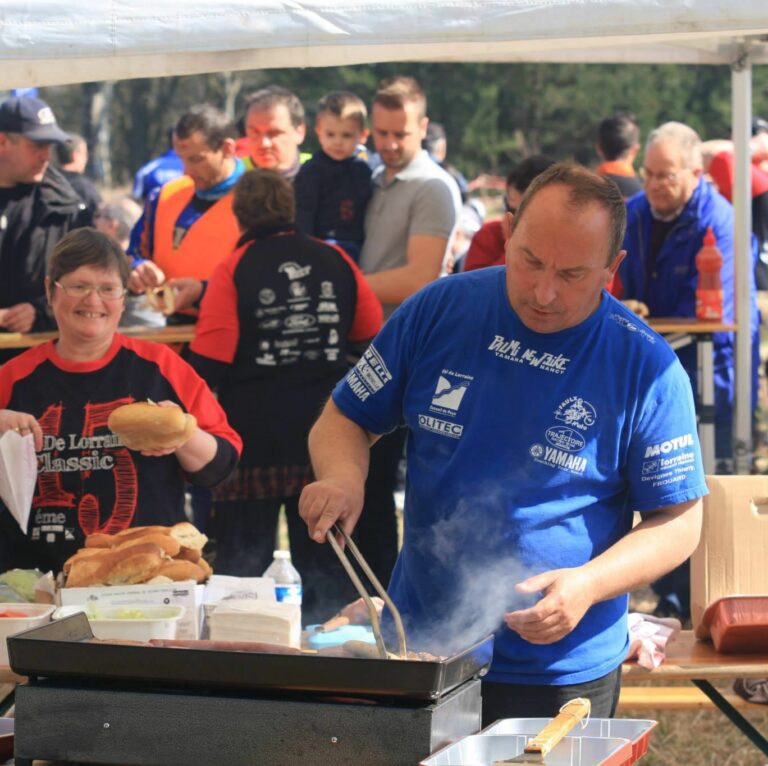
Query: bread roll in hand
pixel 149 427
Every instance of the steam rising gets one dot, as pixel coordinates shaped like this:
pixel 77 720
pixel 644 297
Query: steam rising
pixel 472 546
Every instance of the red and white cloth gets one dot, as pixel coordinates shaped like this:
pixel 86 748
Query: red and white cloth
pixel 649 636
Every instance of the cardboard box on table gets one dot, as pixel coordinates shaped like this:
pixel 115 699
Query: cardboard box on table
pixel 186 593
pixel 730 559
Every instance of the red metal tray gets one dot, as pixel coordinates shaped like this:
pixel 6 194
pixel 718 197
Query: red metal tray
pixel 637 731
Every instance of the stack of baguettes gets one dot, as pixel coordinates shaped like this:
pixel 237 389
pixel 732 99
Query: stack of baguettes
pixel 139 555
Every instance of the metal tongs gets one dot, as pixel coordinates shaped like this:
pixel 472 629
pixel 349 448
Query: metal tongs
pixel 357 582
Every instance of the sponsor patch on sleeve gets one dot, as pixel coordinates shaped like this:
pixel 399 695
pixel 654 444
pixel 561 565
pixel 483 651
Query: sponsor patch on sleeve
pixel 369 375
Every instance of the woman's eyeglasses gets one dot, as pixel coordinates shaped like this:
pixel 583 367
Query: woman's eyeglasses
pixel 107 292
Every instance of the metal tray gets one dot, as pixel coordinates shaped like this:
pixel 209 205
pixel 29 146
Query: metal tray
pixel 60 650
pixel 637 731
pixel 480 750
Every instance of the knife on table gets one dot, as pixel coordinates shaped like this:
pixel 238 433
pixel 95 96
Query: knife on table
pixel 539 746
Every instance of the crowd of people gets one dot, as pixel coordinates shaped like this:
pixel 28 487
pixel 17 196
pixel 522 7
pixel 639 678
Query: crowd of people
pixel 527 397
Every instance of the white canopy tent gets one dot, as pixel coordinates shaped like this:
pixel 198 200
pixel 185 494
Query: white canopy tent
pixel 52 42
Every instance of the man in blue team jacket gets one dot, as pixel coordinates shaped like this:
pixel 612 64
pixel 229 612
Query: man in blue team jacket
pixel 665 230
pixel 666 224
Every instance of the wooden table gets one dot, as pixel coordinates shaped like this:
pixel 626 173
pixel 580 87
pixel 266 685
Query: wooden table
pixel 182 333
pixel 680 332
pixel 698 662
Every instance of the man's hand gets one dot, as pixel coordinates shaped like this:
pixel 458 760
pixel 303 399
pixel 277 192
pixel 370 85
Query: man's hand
pixel 187 291
pixel 568 593
pixel 325 502
pixel 144 276
pixel 18 318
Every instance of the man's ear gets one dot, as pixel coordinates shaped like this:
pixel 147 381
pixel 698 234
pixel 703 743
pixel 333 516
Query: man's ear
pixel 48 289
pixel 506 226
pixel 301 131
pixel 423 124
pixel 229 147
pixel 614 267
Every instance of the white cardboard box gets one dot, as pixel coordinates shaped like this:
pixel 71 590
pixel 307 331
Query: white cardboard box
pixel 730 558
pixel 187 594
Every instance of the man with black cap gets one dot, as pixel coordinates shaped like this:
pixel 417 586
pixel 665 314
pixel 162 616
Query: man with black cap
pixel 37 208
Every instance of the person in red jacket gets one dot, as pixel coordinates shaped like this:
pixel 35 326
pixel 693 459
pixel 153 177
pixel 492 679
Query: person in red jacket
pixel 275 327
pixel 487 247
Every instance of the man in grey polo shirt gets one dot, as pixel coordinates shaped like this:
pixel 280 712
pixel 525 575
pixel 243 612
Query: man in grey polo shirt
pixel 408 226
pixel 415 204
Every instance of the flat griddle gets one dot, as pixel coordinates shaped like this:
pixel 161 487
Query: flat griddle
pixel 60 650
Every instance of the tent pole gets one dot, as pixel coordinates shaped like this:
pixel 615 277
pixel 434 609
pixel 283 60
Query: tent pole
pixel 741 116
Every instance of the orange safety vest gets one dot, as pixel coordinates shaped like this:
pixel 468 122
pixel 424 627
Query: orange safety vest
pixel 208 241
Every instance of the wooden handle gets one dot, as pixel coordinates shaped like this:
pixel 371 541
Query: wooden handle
pixel 570 714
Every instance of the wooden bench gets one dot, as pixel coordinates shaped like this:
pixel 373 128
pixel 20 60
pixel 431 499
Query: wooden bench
pixel 676 698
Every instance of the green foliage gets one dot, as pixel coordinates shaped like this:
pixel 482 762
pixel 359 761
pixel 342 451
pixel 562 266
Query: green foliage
pixel 494 114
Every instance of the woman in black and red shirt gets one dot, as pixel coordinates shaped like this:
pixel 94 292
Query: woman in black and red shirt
pixel 63 391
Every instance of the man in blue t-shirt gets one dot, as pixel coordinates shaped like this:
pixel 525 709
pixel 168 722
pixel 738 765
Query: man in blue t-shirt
pixel 540 413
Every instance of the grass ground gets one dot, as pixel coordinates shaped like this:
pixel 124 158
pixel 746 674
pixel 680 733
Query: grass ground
pixel 696 737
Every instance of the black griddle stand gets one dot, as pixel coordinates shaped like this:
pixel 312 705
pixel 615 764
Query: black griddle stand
pixel 88 703
pixel 135 726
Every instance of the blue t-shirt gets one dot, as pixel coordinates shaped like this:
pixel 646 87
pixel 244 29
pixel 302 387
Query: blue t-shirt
pixel 526 452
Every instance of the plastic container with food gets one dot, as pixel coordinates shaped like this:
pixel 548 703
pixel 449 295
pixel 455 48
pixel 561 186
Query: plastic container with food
pixel 138 622
pixel 736 624
pixel 17 617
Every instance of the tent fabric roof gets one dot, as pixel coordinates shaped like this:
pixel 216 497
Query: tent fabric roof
pixel 48 42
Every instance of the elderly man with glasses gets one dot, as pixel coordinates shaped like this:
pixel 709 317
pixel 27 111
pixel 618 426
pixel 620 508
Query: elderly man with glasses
pixel 665 230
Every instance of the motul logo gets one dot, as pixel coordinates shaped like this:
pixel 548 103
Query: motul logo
pixel 686 440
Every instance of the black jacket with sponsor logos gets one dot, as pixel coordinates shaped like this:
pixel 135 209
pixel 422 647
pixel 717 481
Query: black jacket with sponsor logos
pixel 33 218
pixel 273 335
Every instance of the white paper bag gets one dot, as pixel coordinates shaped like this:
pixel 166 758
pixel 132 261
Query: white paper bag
pixel 18 474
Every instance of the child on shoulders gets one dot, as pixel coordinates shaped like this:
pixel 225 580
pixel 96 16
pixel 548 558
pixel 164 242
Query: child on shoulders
pixel 334 187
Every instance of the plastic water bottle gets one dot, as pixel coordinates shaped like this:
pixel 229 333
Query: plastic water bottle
pixel 287 580
pixel 709 290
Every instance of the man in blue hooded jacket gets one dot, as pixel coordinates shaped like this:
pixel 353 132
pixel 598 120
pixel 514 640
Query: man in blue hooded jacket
pixel 665 230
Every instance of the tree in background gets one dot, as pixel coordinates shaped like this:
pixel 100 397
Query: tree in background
pixel 494 114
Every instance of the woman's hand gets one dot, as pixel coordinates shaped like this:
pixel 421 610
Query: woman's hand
pixel 162 452
pixel 23 423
